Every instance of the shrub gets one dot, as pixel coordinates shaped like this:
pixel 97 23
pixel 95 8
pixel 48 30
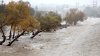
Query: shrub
pixel 73 16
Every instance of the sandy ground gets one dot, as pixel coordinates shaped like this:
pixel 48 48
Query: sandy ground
pixel 80 40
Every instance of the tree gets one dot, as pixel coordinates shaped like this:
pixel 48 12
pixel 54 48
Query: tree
pixel 73 16
pixel 18 16
pixel 2 22
pixel 23 21
pixel 49 21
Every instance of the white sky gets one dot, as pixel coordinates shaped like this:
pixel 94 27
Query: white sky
pixel 58 2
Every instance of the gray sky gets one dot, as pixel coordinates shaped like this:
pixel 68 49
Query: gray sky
pixel 58 2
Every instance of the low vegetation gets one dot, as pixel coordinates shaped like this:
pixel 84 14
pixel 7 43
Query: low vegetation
pixel 49 21
pixel 73 16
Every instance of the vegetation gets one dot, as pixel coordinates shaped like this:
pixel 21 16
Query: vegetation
pixel 17 15
pixel 21 18
pixel 2 22
pixel 73 16
pixel 49 21
pixel 92 11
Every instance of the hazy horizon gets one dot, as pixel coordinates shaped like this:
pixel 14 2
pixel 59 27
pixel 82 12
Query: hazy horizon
pixel 56 2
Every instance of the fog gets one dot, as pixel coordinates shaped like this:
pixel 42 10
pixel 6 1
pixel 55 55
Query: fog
pixel 60 2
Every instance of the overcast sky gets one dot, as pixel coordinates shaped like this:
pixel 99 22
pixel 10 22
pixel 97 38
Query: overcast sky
pixel 58 2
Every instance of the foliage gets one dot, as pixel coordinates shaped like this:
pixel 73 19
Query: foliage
pixel 21 18
pixel 2 22
pixel 2 15
pixel 49 21
pixel 73 16
pixel 18 16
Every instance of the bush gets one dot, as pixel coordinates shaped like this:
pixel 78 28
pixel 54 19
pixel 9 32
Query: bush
pixel 49 21
pixel 73 16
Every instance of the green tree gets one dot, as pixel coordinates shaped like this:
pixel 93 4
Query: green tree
pixel 49 21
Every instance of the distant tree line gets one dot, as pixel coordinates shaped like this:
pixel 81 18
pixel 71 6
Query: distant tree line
pixel 92 11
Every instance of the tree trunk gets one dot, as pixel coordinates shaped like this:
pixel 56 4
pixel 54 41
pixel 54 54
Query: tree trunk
pixel 18 32
pixel 10 35
pixel 4 37
pixel 75 22
pixel 13 34
pixel 34 34
pixel 16 37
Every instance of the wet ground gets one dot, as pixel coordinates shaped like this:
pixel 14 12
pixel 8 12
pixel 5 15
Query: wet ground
pixel 80 40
